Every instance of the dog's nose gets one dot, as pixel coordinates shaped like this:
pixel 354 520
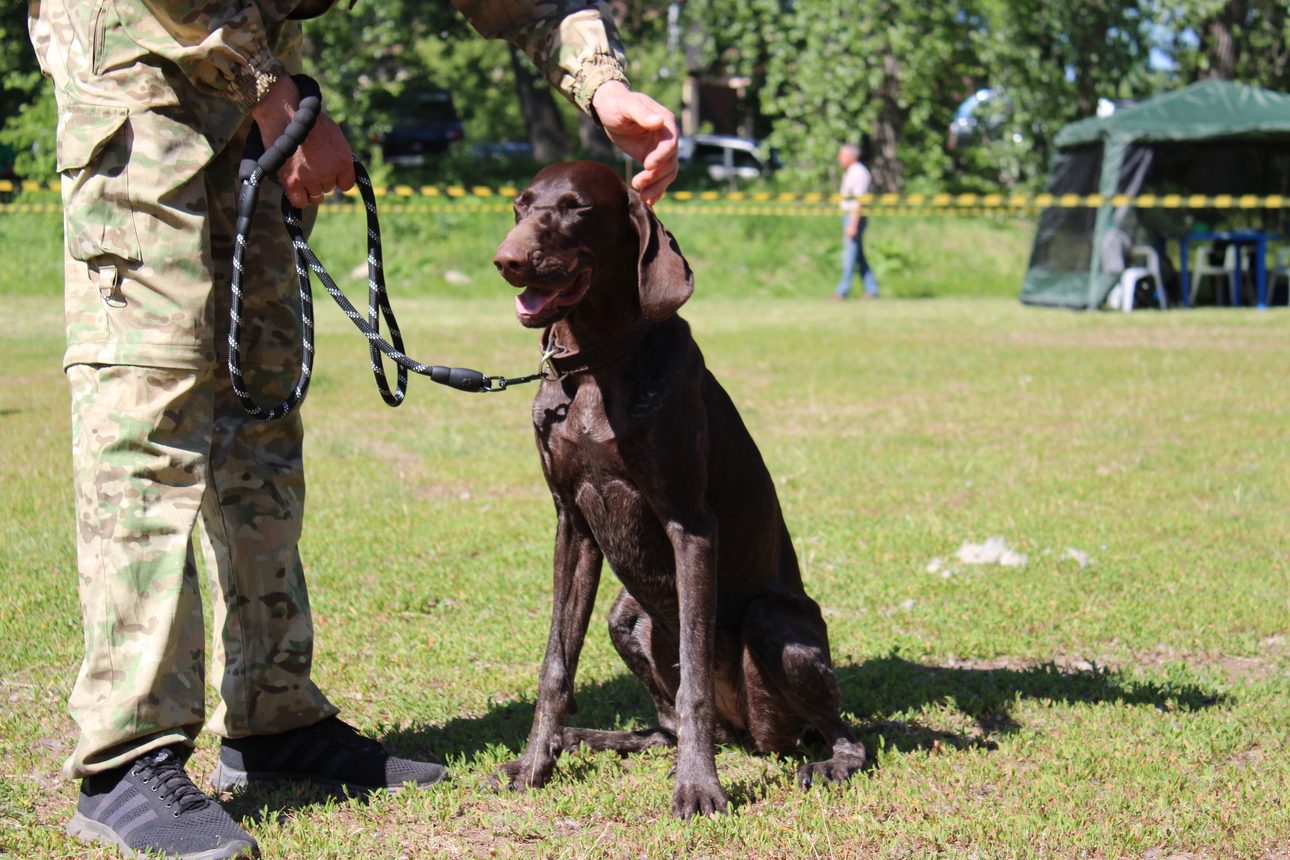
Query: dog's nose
pixel 511 256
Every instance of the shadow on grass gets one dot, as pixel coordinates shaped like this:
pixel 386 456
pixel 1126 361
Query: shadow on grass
pixel 875 692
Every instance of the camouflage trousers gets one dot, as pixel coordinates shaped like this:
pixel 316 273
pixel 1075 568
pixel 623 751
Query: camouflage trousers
pixel 161 444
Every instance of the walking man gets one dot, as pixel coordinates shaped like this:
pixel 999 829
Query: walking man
pixel 855 182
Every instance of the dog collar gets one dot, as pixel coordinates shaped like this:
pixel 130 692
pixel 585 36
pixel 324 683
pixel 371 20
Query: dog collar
pixel 557 363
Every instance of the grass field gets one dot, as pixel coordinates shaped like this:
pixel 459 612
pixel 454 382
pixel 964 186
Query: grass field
pixel 1124 693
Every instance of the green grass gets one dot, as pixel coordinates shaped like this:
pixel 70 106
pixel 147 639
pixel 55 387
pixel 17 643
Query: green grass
pixel 1135 707
pixel 732 255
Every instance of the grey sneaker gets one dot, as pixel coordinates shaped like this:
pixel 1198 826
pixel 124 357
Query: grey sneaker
pixel 150 808
pixel 328 753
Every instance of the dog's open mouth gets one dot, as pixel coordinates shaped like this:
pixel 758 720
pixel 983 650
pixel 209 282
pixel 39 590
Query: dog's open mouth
pixel 536 301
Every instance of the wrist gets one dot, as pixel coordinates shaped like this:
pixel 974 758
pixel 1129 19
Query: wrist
pixel 278 106
pixel 607 92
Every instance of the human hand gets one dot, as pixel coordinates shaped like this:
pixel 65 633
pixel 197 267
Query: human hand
pixel 322 163
pixel 852 228
pixel 643 129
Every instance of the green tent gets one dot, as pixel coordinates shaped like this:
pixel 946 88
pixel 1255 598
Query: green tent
pixel 1213 137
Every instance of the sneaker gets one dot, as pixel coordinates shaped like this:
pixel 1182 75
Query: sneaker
pixel 150 808
pixel 328 753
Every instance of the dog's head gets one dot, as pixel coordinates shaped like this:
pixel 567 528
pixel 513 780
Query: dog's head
pixel 582 235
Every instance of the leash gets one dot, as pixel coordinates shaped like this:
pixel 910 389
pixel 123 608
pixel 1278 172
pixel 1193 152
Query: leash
pixel 259 162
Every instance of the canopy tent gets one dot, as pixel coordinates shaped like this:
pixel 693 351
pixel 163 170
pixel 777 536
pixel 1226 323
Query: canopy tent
pixel 1213 137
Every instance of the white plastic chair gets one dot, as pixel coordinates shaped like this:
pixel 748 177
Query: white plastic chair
pixel 1202 268
pixel 1122 295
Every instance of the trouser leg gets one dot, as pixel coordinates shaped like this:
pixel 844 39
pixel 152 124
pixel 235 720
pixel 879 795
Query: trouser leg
pixel 254 507
pixel 138 456
pixel 867 277
pixel 850 248
pixel 263 651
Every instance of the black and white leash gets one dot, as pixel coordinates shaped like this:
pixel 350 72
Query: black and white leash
pixel 258 162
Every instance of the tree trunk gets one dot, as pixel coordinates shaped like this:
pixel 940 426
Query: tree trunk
pixel 883 161
pixel 547 134
pixel 595 143
pixel 1219 42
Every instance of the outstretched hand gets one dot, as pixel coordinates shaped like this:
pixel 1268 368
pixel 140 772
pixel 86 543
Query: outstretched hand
pixel 643 129
pixel 323 162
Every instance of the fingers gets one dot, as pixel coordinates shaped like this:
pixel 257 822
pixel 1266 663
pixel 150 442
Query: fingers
pixel 643 129
pixel 652 184
pixel 321 164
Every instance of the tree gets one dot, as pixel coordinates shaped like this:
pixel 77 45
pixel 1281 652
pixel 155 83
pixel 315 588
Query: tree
pixel 27 114
pixel 1056 59
pixel 843 71
pixel 362 55
pixel 547 134
pixel 1237 40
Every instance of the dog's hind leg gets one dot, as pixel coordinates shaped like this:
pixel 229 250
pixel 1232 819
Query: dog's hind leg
pixel 632 632
pixel 789 685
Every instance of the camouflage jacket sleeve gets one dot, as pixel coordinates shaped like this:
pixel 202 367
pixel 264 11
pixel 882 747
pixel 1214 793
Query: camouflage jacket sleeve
pixel 573 43
pixel 222 46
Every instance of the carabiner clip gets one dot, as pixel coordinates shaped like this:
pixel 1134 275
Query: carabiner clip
pixel 547 370
pixel 488 384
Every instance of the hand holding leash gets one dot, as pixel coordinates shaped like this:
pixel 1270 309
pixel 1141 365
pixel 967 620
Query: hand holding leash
pixel 259 161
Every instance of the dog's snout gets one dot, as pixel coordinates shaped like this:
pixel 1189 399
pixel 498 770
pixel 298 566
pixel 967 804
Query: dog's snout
pixel 511 256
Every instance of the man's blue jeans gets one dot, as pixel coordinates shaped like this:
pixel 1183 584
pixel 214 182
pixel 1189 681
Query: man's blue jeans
pixel 853 256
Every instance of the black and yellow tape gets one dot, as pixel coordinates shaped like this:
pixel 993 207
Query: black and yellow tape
pixel 430 198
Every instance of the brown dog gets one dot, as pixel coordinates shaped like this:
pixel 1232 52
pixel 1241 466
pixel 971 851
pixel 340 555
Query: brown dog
pixel 651 468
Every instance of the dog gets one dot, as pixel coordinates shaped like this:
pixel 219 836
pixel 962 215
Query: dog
pixel 652 469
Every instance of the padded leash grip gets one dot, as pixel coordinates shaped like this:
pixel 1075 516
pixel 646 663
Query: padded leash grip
pixel 461 378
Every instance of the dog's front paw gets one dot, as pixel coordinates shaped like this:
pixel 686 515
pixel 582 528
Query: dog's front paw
pixel 703 798
pixel 835 770
pixel 525 773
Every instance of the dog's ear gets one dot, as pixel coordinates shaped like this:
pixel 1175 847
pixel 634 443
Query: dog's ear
pixel 665 277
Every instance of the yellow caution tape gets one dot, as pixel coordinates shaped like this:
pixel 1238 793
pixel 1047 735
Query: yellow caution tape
pixel 794 203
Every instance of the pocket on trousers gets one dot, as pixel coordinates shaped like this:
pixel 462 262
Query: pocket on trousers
pixel 95 143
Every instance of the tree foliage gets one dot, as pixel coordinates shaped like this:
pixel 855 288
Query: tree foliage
pixel 1241 40
pixel 881 73
pixel 26 101
pixel 1055 60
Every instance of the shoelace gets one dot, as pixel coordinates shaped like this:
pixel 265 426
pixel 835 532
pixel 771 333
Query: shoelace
pixel 166 772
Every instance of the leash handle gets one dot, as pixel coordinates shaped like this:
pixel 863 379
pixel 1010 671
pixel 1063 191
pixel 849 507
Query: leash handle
pixel 259 161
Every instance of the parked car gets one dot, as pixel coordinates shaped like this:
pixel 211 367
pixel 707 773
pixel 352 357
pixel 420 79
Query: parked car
pixel 425 122
pixel 727 157
pixel 505 152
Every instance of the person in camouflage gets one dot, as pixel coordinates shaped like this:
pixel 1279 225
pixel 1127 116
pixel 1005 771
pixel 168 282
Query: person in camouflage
pixel 155 99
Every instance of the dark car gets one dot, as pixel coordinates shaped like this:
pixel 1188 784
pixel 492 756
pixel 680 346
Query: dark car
pixel 425 122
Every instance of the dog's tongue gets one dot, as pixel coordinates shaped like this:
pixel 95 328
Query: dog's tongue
pixel 532 301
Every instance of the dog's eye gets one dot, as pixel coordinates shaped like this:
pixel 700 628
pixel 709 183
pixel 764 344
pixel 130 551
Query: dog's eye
pixel 569 203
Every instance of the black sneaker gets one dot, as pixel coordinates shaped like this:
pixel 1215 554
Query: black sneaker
pixel 328 753
pixel 150 808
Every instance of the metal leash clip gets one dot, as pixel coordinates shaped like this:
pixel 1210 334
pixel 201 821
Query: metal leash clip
pixel 546 369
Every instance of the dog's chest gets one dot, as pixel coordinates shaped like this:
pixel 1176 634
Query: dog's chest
pixel 587 462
